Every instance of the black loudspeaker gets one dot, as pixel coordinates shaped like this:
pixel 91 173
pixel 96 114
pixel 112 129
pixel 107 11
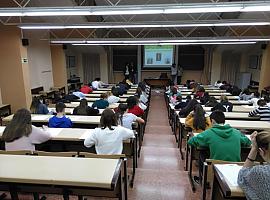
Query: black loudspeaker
pixel 64 46
pixel 263 46
pixel 25 42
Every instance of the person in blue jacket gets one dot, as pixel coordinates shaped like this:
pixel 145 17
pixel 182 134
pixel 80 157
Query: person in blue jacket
pixel 37 107
pixel 60 120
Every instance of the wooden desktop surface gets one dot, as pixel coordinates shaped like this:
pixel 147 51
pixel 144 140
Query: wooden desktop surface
pixel 70 171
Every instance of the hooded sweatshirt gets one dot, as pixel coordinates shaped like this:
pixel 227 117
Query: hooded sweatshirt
pixel 223 141
pixel 60 122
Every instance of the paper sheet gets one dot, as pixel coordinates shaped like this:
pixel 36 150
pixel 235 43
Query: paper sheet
pixel 2 128
pixel 54 131
pixel 230 172
pixel 40 117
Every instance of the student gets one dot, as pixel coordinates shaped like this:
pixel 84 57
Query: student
pixel 212 102
pixel 132 104
pixel 86 89
pixel 245 95
pixel 60 120
pixel 108 139
pixel 179 104
pixel 78 94
pixel 190 107
pixel 112 98
pixel 199 92
pixel 142 98
pixel 97 83
pixel 84 109
pixel 218 84
pixel 20 134
pixel 254 180
pixel 267 100
pixel 263 111
pixel 255 99
pixel 37 107
pixel 223 141
pixel 224 105
pixel 204 98
pixel 102 103
pixel 126 119
pixel 197 120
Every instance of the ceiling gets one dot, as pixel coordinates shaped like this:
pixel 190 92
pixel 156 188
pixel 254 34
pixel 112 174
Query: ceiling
pixel 138 32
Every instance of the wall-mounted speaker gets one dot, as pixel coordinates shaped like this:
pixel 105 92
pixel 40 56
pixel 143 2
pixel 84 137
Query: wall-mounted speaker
pixel 263 46
pixel 25 42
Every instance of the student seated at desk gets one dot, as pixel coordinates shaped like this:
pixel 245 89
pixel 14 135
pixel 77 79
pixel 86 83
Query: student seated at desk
pixel 97 83
pixel 86 89
pixel 255 99
pixel 267 100
pixel 126 119
pixel 263 111
pixel 197 120
pixel 142 98
pixel 255 180
pixel 246 95
pixel 108 139
pixel 102 103
pixel 20 134
pixel 190 107
pixel 133 107
pixel 199 92
pixel 60 120
pixel 84 109
pixel 112 98
pixel 179 104
pixel 78 94
pixel 37 107
pixel 212 102
pixel 223 141
pixel 224 105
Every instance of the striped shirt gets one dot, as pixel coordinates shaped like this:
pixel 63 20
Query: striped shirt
pixel 262 111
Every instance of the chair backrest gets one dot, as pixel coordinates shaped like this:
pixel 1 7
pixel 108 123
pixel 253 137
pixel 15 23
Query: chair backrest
pixel 60 154
pixel 92 155
pixel 21 152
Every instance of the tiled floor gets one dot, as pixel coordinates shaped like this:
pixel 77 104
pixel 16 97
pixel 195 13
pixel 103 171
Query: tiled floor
pixel 160 174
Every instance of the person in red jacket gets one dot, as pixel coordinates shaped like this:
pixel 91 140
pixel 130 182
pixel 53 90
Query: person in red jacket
pixel 86 89
pixel 133 107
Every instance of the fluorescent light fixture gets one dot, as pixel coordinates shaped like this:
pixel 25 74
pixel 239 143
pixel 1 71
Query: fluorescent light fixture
pixel 161 24
pixel 157 41
pixel 245 6
pixel 194 43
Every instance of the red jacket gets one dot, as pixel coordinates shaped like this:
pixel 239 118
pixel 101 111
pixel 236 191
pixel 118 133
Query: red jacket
pixel 136 110
pixel 86 89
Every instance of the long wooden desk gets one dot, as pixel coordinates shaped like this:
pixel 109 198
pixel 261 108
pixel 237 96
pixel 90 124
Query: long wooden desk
pixel 61 175
pixel 242 108
pixel 69 111
pixel 211 93
pixel 225 182
pixel 92 99
pixel 75 104
pixel 231 98
pixel 95 95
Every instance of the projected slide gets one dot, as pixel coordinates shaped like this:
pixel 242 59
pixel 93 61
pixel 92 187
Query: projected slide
pixel 158 56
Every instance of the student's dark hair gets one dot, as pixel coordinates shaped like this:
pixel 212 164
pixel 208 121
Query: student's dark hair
pixel 246 91
pixel 174 90
pixel 261 102
pixel 132 101
pixel 60 107
pixel 218 116
pixel 142 86
pixel 179 98
pixel 224 82
pixel 257 94
pixel 139 91
pixel 218 81
pixel 122 108
pixel 19 126
pixel 267 99
pixel 97 79
pixel 34 105
pixel 200 88
pixel 115 91
pixel 199 121
pixel 190 107
pixel 104 96
pixel 108 119
pixel 188 97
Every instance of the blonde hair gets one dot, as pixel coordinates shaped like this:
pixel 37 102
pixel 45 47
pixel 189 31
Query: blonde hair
pixel 263 141
pixel 223 98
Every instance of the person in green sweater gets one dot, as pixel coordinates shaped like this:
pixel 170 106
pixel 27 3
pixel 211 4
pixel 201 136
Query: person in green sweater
pixel 223 141
pixel 101 103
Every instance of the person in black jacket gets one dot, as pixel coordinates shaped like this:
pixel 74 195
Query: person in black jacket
pixel 190 107
pixel 224 105
pixel 84 109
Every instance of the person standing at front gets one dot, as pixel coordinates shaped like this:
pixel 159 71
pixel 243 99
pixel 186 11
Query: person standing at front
pixel 174 73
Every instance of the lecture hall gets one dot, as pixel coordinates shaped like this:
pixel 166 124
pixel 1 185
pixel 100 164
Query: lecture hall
pixel 141 100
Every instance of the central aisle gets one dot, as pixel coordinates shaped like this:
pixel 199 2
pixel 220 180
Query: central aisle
pixel 160 174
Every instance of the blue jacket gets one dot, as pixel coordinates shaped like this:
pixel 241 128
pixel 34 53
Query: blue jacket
pixel 42 109
pixel 63 122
